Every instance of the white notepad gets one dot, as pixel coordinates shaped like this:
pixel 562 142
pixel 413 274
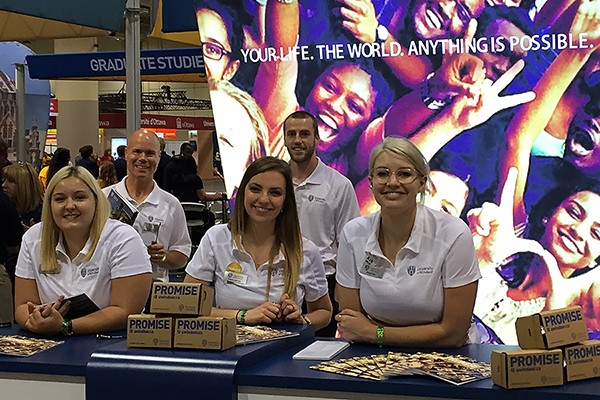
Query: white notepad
pixel 321 350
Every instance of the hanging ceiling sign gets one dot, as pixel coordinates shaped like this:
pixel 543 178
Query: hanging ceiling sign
pixel 111 65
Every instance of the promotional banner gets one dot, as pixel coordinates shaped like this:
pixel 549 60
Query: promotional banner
pixel 500 96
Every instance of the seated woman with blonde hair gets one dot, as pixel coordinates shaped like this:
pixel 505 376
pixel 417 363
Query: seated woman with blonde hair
pixel 77 249
pixel 261 267
pixel 407 275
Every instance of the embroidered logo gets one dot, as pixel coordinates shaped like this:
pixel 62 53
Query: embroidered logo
pixel 315 199
pixel 411 270
pixel 89 271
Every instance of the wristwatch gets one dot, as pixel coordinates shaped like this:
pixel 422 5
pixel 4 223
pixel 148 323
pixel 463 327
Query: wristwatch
pixel 429 101
pixel 381 34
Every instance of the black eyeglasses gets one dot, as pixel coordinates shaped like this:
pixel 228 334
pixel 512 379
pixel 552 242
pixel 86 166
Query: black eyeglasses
pixel 213 51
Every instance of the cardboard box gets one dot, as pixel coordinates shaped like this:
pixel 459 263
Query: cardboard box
pixel 181 298
pixel 551 329
pixel 215 333
pixel 145 330
pixel 582 360
pixel 517 369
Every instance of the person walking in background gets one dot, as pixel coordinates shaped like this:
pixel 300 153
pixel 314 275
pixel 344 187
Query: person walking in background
pixel 106 157
pixel 108 175
pixel 87 160
pixel 60 159
pixel 159 175
pixel 188 186
pixel 121 163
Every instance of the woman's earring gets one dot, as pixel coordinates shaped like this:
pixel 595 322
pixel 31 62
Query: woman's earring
pixel 545 221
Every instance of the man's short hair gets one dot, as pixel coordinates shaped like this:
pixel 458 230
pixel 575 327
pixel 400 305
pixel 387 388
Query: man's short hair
pixel 162 144
pixel 301 114
pixel 185 147
pixel 86 151
pixel 121 150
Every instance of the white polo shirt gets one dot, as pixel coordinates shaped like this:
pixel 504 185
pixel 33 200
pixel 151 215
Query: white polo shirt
pixel 119 253
pixel 239 284
pixel 159 211
pixel 326 202
pixel 439 254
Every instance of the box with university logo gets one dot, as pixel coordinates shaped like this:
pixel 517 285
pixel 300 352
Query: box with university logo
pixel 146 330
pixel 516 369
pixel 551 329
pixel 214 333
pixel 582 360
pixel 181 298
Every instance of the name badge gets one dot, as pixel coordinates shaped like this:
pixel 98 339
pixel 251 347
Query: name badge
pixel 371 268
pixel 235 278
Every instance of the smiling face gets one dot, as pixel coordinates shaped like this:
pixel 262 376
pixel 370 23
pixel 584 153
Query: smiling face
pixel 343 101
pixel 444 19
pixel 142 155
pixel 215 39
pixel 572 234
pixel 448 193
pixel 583 144
pixel 73 206
pixel 300 139
pixel 393 194
pixel 264 196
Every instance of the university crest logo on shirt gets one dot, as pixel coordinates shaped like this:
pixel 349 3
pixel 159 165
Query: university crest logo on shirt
pixel 411 270
pixel 315 199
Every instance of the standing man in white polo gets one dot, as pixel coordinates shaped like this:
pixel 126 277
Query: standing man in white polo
pixel 325 198
pixel 161 220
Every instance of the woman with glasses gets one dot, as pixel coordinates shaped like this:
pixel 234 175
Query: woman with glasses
pixel 22 186
pixel 221 36
pixel 407 275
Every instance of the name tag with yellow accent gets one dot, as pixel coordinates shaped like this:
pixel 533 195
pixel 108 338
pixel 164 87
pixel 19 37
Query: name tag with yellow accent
pixel 234 267
pixel 237 279
pixel 371 268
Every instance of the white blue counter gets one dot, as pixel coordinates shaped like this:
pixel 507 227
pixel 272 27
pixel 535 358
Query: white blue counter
pixel 86 367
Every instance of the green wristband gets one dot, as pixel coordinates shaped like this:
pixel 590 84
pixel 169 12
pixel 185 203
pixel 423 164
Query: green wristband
pixel 243 317
pixel 66 329
pixel 380 329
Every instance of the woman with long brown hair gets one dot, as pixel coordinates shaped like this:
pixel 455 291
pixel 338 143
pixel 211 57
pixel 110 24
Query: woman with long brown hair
pixel 261 267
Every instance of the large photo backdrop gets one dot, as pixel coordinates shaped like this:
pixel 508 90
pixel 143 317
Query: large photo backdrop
pixel 502 97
